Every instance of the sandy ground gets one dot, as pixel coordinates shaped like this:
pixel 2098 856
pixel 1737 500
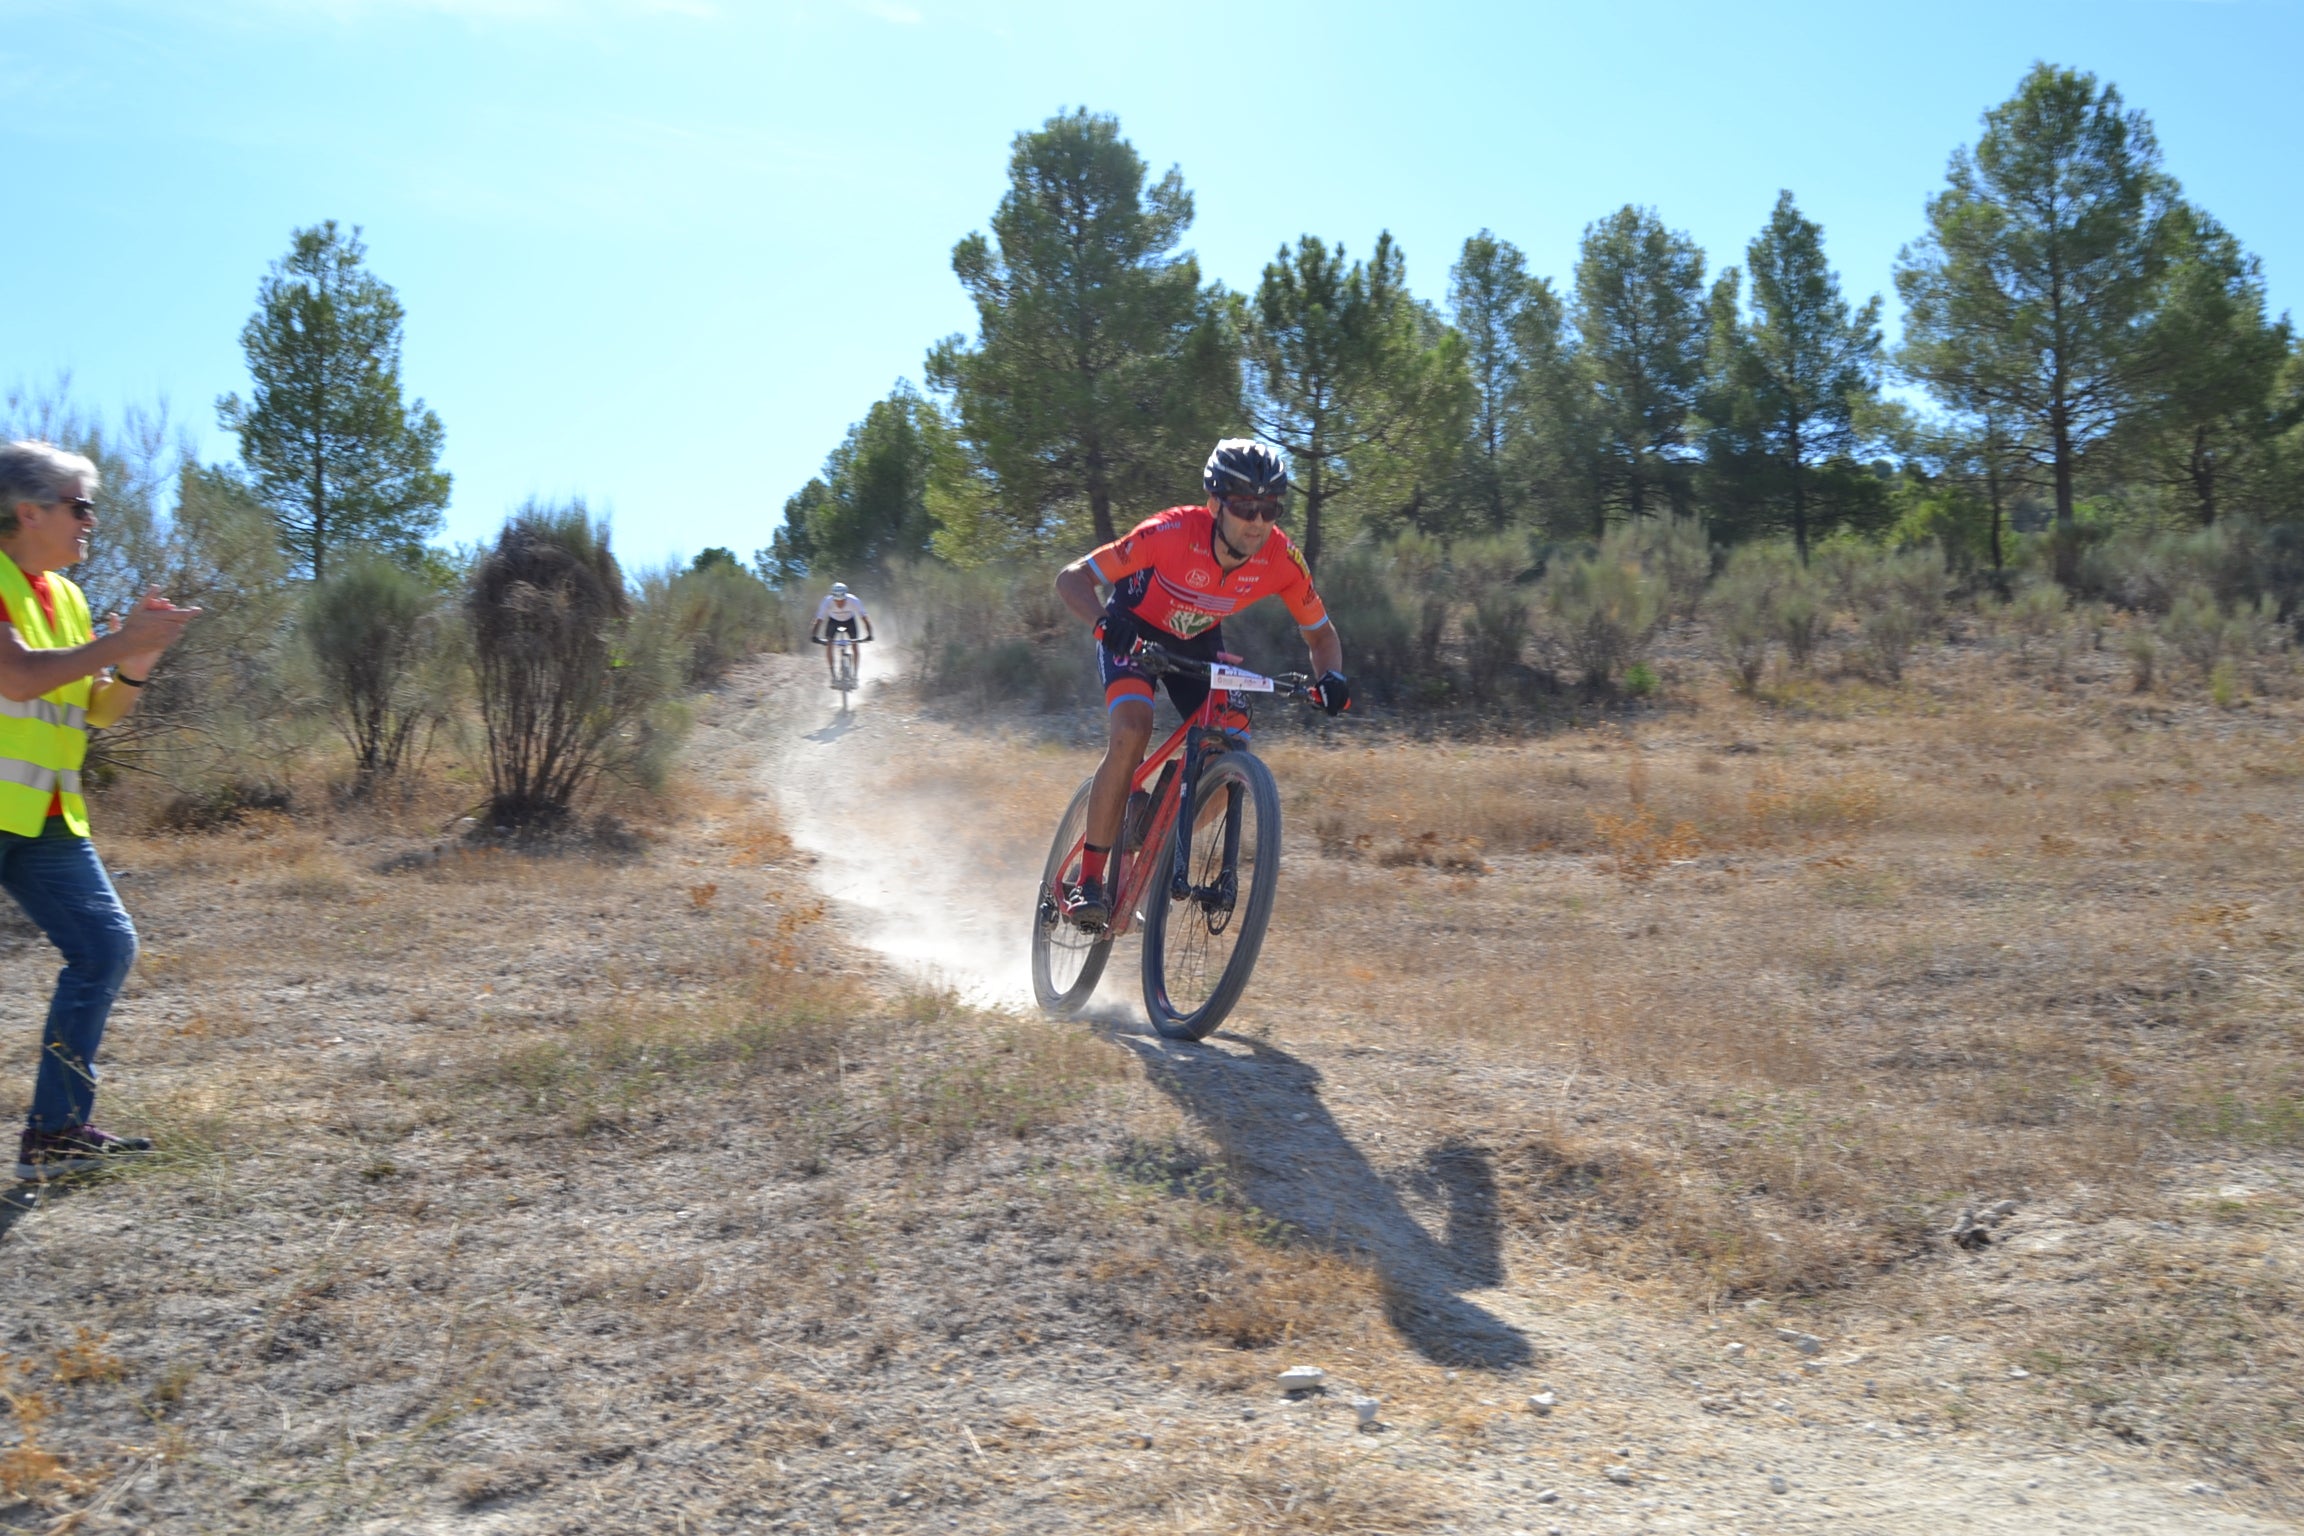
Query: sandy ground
pixel 1763 1439
pixel 468 1267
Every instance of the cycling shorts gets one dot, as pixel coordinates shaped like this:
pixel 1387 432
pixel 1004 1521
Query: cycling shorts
pixel 839 627
pixel 1124 680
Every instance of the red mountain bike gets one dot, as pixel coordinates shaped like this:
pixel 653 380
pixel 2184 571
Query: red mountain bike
pixel 1202 887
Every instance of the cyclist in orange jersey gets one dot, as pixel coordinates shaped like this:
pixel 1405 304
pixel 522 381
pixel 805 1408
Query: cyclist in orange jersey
pixel 1174 579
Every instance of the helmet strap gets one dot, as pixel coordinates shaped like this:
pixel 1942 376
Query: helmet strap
pixel 1239 555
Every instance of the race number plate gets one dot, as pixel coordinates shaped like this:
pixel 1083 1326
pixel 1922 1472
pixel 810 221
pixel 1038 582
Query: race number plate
pixel 1233 680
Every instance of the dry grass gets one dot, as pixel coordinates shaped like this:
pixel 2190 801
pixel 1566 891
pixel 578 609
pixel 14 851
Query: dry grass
pixel 1801 982
pixel 573 1197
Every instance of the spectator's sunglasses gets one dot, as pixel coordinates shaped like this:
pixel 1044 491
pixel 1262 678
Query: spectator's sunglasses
pixel 1269 508
pixel 80 506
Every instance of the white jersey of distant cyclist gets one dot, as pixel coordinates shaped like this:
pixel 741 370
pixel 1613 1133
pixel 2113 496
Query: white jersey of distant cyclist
pixel 839 608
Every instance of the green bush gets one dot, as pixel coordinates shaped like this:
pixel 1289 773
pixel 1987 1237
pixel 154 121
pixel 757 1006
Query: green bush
pixel 714 615
pixel 1674 550
pixel 1602 611
pixel 1374 620
pixel 2037 611
pixel 1496 628
pixel 2207 634
pixel 370 627
pixel 1885 637
pixel 1749 605
pixel 992 634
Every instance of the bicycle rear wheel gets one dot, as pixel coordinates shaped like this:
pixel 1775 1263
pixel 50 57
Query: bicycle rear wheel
pixel 1066 962
pixel 1198 952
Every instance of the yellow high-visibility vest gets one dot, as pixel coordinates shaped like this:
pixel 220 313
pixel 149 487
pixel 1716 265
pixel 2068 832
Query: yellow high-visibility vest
pixel 44 741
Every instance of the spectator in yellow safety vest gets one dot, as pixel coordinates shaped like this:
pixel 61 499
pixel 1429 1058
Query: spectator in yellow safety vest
pixel 59 680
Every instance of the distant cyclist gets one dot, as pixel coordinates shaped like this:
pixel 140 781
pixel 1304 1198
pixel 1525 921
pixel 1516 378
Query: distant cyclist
pixel 1175 578
pixel 839 614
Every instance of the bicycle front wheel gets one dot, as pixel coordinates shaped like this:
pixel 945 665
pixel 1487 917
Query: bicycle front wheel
pixel 1199 951
pixel 1066 962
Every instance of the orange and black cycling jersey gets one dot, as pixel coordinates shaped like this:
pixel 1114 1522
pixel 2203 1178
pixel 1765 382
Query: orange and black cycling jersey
pixel 1165 572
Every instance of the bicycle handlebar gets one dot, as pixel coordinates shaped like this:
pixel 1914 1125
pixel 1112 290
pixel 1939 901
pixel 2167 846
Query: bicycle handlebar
pixel 1157 660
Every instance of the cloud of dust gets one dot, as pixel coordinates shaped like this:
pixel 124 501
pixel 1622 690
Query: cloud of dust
pixel 896 855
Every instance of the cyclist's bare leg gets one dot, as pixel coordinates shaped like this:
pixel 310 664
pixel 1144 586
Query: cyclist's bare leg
pixel 1128 733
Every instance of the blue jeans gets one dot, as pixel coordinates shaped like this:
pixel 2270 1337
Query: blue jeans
pixel 61 885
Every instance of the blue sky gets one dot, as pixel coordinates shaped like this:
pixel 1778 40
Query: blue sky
pixel 660 253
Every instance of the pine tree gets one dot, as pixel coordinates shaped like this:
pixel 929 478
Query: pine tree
pixel 2030 298
pixel 2210 412
pixel 870 504
pixel 1342 361
pixel 1517 355
pixel 328 444
pixel 1789 380
pixel 1101 370
pixel 1640 317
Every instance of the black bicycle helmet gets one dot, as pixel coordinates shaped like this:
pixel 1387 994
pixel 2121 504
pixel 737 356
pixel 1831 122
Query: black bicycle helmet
pixel 1242 466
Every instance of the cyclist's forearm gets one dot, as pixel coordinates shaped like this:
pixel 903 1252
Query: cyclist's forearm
pixel 1327 649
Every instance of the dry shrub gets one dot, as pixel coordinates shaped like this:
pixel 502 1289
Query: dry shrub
pixel 1638 845
pixel 1278 1295
pixel 569 688
pixel 1305 1489
pixel 1776 809
pixel 1475 802
pixel 28 1469
pixel 1426 851
pixel 998 1079
pixel 86 1358
pixel 757 840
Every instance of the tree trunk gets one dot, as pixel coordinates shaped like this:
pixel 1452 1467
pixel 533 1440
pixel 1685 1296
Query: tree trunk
pixel 1099 497
pixel 1799 497
pixel 2203 474
pixel 2067 540
pixel 1315 497
pixel 1992 489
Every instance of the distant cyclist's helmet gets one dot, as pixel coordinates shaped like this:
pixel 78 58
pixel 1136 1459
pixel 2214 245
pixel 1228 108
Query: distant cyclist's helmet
pixel 839 589
pixel 1242 466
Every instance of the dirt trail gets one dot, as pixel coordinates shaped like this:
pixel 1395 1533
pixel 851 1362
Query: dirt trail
pixel 1311 1126
pixel 847 783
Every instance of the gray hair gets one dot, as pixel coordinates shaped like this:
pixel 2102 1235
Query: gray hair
pixel 40 472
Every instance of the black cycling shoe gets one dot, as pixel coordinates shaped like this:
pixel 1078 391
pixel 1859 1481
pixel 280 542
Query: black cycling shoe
pixel 1085 907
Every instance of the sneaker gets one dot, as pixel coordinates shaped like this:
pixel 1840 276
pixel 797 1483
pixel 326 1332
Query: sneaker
pixel 1085 907
pixel 75 1149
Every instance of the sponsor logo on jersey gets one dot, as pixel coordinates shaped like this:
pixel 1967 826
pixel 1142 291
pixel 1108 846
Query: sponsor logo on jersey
pixel 1198 576
pixel 1297 555
pixel 1187 623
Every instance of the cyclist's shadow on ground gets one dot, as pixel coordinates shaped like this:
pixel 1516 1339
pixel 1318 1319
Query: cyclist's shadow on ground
pixel 839 726
pixel 1293 1162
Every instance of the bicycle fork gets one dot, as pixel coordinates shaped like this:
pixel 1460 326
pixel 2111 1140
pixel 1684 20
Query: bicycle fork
pixel 1218 897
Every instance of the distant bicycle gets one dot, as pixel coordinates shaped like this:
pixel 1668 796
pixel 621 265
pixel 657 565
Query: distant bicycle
pixel 1202 886
pixel 843 664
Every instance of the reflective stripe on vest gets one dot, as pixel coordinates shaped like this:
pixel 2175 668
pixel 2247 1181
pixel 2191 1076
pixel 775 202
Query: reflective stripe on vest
pixel 71 716
pixel 48 781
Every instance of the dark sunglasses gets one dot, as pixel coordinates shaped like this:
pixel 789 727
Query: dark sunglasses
pixel 82 507
pixel 1270 508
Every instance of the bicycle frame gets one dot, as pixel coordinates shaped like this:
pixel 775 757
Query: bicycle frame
pixel 1132 872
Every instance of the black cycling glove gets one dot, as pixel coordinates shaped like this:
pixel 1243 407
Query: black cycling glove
pixel 1118 631
pixel 1334 691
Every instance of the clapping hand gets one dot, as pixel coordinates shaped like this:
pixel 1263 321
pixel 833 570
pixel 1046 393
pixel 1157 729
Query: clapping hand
pixel 154 623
